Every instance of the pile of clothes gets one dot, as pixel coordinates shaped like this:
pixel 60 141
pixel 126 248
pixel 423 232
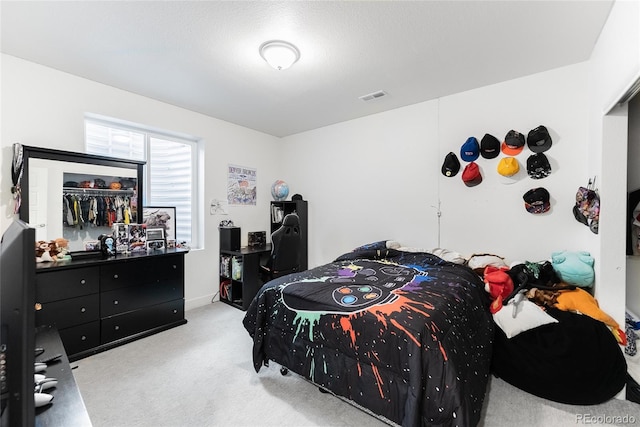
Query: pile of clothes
pixel 553 339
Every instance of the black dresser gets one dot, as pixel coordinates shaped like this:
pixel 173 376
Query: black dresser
pixel 98 304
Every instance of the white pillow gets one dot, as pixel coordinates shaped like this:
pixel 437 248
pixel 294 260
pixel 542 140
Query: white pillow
pixel 483 260
pixel 393 244
pixel 527 316
pixel 412 249
pixel 449 255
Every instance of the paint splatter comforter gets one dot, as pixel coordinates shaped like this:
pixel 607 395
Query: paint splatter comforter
pixel 407 336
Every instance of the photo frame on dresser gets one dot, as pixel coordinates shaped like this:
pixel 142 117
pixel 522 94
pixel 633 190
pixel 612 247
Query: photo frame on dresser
pixel 155 238
pixel 162 216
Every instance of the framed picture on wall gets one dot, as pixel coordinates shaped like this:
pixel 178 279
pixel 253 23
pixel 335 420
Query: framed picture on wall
pixel 163 216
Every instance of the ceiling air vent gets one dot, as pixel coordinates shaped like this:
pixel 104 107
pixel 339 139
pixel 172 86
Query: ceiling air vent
pixel 374 95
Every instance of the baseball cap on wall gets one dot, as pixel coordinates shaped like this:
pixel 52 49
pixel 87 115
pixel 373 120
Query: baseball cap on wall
pixel 508 169
pixel 538 139
pixel 471 175
pixel 538 166
pixel 513 143
pixel 489 146
pixel 537 200
pixel 470 150
pixel 451 165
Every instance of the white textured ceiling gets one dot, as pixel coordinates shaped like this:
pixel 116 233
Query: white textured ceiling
pixel 203 55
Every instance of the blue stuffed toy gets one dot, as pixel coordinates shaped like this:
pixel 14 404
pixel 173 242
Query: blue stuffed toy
pixel 574 268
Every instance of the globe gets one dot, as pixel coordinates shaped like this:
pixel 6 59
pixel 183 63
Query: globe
pixel 279 190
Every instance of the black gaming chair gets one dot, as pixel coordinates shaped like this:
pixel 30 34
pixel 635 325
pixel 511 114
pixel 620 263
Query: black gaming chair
pixel 285 249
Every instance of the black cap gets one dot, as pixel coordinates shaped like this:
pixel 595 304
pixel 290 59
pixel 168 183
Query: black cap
pixel 539 139
pixel 538 166
pixel 451 165
pixel 536 200
pixel 514 139
pixel 489 146
pixel 296 197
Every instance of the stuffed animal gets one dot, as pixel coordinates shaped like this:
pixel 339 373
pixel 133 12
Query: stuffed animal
pixel 575 268
pixel 54 250
pixel 62 247
pixel 498 284
pixel 62 244
pixel 581 301
pixel 43 253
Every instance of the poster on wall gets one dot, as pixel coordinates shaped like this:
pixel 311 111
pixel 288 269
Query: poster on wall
pixel 163 216
pixel 241 185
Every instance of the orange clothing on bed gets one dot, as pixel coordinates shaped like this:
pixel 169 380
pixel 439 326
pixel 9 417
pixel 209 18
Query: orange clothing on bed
pixel 582 301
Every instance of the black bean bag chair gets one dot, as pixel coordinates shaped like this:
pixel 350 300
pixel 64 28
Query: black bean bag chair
pixel 576 361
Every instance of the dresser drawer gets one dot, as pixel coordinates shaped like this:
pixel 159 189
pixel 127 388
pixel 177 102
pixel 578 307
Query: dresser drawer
pixel 63 284
pixel 81 338
pixel 145 271
pixel 69 312
pixel 136 297
pixel 123 325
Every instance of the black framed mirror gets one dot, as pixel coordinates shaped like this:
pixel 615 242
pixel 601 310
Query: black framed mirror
pixel 78 196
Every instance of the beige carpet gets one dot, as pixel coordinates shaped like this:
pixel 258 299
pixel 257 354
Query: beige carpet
pixel 200 374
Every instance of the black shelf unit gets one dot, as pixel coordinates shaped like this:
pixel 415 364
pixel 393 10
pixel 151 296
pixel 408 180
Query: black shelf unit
pixel 241 281
pixel 279 209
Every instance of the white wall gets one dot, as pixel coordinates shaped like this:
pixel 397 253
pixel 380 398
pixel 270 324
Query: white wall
pixel 491 217
pixel 368 179
pixel 379 177
pixel 614 66
pixel 45 108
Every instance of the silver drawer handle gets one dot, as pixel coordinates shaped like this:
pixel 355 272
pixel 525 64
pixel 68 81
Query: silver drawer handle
pixel 175 311
pixel 116 328
pixel 115 276
pixel 115 302
pixel 82 282
pixel 83 338
pixel 82 310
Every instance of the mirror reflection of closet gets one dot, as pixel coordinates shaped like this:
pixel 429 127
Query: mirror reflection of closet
pixel 60 187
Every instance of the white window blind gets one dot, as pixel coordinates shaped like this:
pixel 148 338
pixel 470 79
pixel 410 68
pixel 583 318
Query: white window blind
pixel 170 178
pixel 171 165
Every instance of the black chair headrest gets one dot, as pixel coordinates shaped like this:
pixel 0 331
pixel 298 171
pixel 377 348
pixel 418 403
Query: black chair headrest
pixel 291 220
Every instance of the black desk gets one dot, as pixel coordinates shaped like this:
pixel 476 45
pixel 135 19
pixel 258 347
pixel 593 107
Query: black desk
pixel 243 289
pixel 67 408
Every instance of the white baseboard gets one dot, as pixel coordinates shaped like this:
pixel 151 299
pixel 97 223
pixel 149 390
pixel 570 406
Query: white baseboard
pixel 198 302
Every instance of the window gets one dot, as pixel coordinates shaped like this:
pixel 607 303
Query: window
pixel 170 172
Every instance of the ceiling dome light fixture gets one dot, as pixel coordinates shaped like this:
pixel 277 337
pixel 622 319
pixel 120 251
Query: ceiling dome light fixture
pixel 279 54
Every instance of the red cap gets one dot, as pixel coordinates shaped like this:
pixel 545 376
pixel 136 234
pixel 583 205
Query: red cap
pixel 471 175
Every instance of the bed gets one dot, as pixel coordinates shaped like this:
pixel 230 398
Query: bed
pixel 406 336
